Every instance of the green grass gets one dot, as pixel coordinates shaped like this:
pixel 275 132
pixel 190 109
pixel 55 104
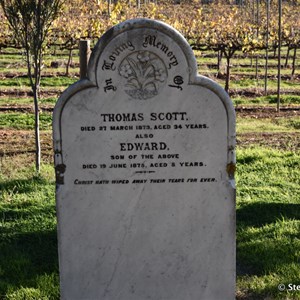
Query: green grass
pixel 12 68
pixel 261 71
pixel 14 100
pixel 268 221
pixel 28 245
pixel 285 99
pixel 268 226
pixel 245 125
pixel 252 83
pixel 49 100
pixel 58 81
pixel 11 55
pixel 8 61
pixel 15 69
pixel 267 100
pixel 24 121
pixel 268 204
pixel 46 81
pixel 291 123
pixel 240 59
pixel 26 100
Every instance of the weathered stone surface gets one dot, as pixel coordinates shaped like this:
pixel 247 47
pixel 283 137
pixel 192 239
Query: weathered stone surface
pixel 144 156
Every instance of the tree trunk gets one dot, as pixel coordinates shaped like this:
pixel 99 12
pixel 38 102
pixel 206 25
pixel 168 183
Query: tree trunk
pixel 256 67
pixel 69 62
pixel 84 56
pixel 227 74
pixel 274 53
pixel 220 55
pixel 294 63
pixel 35 84
pixel 266 71
pixel 279 54
pixel 267 47
pixel 109 7
pixel 37 131
pixel 287 57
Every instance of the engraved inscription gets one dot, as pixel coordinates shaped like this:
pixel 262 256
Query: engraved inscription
pixel 152 41
pixel 109 86
pixel 178 80
pixel 146 152
pixel 108 66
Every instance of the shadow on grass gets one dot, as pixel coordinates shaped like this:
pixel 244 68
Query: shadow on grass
pixel 23 186
pixel 22 211
pixel 25 257
pixel 261 213
pixel 28 240
pixel 268 245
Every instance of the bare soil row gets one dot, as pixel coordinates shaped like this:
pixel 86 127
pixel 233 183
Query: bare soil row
pixel 257 112
pixel 251 92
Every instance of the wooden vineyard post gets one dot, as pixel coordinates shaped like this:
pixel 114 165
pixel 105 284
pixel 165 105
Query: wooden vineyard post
pixel 84 55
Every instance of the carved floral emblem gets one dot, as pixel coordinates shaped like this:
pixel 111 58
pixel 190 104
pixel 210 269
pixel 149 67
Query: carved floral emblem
pixel 144 74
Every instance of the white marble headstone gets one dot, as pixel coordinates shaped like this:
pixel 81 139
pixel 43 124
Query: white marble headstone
pixel 144 159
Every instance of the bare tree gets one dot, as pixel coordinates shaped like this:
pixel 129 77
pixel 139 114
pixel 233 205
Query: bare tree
pixel 30 21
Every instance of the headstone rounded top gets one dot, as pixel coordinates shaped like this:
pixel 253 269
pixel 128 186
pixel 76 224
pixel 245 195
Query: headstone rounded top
pixel 144 58
pixel 152 27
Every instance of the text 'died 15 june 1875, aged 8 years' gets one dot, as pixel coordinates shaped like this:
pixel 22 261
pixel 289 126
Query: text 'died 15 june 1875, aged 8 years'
pixel 144 160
